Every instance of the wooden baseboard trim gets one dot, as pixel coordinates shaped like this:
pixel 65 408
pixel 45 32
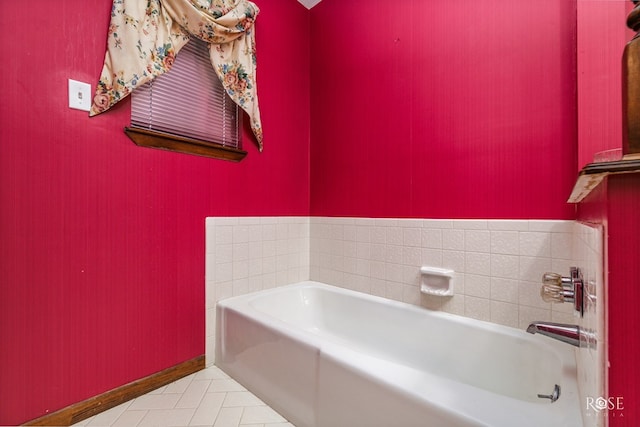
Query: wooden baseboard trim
pixel 94 405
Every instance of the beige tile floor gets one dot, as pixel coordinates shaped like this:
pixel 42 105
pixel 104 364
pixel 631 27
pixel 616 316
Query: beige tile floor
pixel 206 398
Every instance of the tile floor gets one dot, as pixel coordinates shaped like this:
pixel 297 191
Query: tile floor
pixel 206 398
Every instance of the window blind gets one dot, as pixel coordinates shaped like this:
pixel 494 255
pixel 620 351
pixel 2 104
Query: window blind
pixel 188 101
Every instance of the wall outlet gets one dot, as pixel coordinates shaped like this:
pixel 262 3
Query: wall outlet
pixel 79 95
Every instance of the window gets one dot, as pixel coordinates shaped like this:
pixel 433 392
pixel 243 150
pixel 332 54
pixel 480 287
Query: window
pixel 187 109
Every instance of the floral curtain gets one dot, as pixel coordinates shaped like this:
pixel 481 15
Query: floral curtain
pixel 146 35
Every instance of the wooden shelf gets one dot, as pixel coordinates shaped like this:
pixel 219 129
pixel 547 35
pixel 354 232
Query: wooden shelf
pixel 594 173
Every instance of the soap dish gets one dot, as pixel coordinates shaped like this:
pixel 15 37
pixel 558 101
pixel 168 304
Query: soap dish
pixel 436 281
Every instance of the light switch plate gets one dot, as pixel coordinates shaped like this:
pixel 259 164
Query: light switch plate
pixel 79 95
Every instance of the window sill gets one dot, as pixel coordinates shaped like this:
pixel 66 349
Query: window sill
pixel 178 144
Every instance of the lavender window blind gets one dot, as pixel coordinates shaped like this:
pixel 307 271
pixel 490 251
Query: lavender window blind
pixel 188 101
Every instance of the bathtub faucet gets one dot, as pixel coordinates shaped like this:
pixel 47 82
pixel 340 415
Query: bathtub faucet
pixel 570 334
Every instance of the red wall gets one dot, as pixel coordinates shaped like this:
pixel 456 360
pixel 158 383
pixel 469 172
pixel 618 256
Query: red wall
pixel 623 294
pixel 601 36
pixel 102 242
pixel 443 109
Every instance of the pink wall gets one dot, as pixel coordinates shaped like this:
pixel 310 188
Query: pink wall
pixel 623 294
pixel 601 36
pixel 102 247
pixel 443 109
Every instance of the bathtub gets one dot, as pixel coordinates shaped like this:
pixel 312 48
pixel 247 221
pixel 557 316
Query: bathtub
pixel 330 357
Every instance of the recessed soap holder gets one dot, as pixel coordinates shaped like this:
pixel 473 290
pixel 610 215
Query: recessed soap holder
pixel 436 281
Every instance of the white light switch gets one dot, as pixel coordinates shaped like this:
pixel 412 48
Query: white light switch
pixel 79 95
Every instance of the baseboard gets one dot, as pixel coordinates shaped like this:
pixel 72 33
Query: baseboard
pixel 94 405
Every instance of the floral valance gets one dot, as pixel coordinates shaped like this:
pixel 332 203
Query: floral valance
pixel 146 35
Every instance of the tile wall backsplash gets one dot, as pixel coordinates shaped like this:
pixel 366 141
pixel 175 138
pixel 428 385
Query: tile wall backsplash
pixel 246 254
pixel 498 267
pixel 498 264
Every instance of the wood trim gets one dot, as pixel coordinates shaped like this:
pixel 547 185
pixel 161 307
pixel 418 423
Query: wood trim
pixel 618 166
pixel 179 144
pixel 94 405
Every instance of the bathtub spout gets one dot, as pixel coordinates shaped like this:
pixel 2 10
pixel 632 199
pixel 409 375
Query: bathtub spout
pixel 570 334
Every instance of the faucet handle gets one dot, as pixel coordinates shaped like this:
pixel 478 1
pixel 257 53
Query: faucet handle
pixel 552 279
pixel 552 292
pixel 556 288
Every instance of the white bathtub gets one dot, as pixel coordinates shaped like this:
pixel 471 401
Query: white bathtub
pixel 330 357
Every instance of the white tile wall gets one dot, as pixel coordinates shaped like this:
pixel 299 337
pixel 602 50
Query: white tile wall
pixel 246 254
pixel 498 264
pixel 589 254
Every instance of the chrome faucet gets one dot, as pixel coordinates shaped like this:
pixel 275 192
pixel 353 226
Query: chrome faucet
pixel 561 332
pixel 556 288
pixel 570 334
